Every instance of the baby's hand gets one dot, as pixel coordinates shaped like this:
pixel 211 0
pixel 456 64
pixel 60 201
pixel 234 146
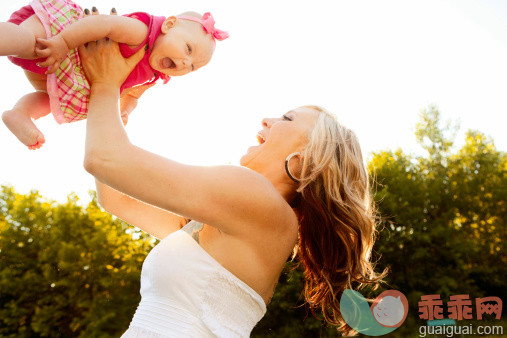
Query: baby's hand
pixel 55 50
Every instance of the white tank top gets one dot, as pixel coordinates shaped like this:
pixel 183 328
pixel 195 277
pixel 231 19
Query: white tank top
pixel 186 293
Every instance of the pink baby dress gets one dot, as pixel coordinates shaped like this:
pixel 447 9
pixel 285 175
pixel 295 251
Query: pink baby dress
pixel 68 88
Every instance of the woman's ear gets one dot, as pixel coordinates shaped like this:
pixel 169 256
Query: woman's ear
pixel 168 24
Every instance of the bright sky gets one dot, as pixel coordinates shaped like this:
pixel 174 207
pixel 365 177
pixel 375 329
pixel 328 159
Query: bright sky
pixel 375 64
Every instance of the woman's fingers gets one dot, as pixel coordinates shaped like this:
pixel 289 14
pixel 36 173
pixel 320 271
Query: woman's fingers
pixel 87 49
pixel 101 42
pixel 104 63
pixel 83 52
pixel 95 11
pixel 134 59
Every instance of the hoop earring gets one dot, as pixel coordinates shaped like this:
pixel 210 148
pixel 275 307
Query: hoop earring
pixel 287 160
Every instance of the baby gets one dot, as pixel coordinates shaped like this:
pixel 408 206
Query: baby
pixel 43 37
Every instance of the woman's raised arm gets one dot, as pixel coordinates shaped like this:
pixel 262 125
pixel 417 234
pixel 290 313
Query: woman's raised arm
pixel 155 221
pixel 236 200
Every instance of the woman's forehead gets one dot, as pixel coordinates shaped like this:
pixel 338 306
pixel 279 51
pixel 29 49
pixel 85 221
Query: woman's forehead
pixel 307 113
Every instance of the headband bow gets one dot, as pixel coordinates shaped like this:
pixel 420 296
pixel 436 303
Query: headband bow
pixel 208 24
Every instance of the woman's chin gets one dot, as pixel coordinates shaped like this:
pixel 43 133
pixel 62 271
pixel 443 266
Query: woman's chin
pixel 244 160
pixel 249 156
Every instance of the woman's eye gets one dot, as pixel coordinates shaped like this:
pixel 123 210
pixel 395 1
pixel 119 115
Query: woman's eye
pixel 189 50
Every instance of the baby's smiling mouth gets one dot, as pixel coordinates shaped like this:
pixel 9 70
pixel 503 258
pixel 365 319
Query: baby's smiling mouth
pixel 167 63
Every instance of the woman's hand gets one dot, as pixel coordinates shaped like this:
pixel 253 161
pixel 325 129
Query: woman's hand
pixel 95 70
pixel 104 64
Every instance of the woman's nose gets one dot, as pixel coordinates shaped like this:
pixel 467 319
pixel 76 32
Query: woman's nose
pixel 268 122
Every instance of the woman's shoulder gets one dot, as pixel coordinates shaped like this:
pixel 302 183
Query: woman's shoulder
pixel 259 187
pixel 277 214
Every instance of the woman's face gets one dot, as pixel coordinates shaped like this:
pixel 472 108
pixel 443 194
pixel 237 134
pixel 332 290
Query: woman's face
pixel 280 137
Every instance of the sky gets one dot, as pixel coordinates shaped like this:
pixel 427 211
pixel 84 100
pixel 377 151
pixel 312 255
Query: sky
pixel 375 64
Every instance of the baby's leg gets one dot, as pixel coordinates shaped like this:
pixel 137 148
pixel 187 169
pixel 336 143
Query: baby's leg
pixel 20 40
pixel 19 119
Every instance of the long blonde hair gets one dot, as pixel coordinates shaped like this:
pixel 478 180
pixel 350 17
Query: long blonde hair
pixel 337 218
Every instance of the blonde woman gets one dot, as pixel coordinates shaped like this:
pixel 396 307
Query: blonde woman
pixel 303 190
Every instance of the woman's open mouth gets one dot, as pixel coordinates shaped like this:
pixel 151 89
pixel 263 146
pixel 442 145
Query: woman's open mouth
pixel 167 63
pixel 260 138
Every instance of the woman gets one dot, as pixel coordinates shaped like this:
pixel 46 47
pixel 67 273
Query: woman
pixel 303 190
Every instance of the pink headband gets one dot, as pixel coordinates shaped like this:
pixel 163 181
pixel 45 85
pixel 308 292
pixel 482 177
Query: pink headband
pixel 208 24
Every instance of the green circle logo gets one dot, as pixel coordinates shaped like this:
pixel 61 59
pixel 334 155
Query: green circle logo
pixel 386 314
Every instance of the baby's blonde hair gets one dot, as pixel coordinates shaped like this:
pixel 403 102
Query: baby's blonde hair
pixel 193 23
pixel 190 13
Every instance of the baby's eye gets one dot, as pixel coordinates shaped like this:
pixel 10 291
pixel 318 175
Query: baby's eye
pixel 285 117
pixel 189 49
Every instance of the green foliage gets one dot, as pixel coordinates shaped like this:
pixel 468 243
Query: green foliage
pixel 431 136
pixel 66 271
pixel 443 215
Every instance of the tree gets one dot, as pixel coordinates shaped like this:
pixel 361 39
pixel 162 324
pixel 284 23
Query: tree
pixel 65 270
pixel 443 214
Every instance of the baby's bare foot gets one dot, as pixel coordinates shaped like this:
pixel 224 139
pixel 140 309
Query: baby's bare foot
pixel 23 128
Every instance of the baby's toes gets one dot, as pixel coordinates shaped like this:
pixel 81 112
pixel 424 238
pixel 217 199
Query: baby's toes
pixel 40 140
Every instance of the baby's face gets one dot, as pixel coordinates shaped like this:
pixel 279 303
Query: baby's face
pixel 182 47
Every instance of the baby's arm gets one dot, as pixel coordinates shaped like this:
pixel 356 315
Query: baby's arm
pixel 128 100
pixel 121 29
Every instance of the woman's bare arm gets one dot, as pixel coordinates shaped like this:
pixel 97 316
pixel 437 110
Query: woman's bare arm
pixel 155 221
pixel 236 200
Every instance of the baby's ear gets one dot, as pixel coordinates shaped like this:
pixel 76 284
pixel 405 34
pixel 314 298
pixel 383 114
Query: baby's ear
pixel 168 24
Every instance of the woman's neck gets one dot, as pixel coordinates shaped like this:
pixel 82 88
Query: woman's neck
pixel 282 183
